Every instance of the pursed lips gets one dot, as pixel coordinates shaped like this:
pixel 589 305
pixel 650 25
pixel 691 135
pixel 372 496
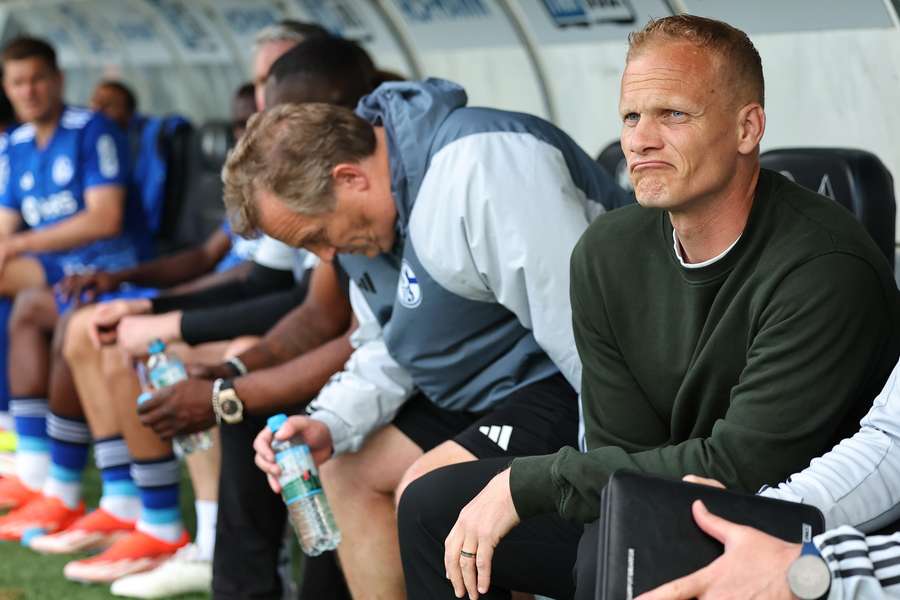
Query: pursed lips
pixel 649 164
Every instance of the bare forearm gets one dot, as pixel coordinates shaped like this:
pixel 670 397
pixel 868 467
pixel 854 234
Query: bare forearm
pixel 295 382
pixel 301 330
pixel 169 270
pixel 78 230
pixel 207 280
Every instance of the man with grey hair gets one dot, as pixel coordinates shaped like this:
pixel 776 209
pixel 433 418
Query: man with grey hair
pixel 438 213
pixel 273 41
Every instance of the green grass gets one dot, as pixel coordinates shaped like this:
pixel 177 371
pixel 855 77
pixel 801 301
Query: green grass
pixel 25 575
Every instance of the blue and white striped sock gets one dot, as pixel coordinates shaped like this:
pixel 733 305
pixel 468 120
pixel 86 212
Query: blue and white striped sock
pixel 33 445
pixel 158 482
pixel 121 497
pixel 69 444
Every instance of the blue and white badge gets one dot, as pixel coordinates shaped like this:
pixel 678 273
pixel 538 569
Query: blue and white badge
pixel 62 170
pixel 408 290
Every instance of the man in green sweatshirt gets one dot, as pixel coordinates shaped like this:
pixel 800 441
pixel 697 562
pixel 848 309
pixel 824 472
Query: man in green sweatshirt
pixel 730 325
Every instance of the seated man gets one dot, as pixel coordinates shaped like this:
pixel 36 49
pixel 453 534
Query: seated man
pixel 855 485
pixel 727 326
pixel 38 370
pixel 66 176
pixel 322 69
pixel 104 381
pixel 437 211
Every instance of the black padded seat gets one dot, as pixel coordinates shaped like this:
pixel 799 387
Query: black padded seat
pixel 175 146
pixel 202 210
pixel 612 159
pixel 856 179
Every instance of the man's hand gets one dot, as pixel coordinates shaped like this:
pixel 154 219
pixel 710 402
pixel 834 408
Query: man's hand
pixel 85 288
pixel 313 433
pixel 135 332
pixel 703 481
pixel 185 407
pixel 107 316
pixel 478 530
pixel 754 565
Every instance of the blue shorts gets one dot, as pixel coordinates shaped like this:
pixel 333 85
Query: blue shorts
pixel 54 272
pixel 125 292
pixel 53 269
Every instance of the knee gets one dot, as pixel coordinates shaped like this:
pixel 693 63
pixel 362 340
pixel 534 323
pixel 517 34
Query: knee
pixel 448 453
pixel 76 340
pixel 414 472
pixel 421 510
pixel 26 310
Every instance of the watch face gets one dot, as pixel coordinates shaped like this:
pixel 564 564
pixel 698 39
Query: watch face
pixel 809 577
pixel 229 406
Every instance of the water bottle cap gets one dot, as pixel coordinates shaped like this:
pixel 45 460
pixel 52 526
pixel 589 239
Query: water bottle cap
pixel 144 397
pixel 157 346
pixel 276 421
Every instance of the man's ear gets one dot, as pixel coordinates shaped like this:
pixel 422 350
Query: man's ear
pixel 349 176
pixel 751 127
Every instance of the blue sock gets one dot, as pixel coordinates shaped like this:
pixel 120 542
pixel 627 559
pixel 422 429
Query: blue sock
pixel 69 444
pixel 33 445
pixel 5 310
pixel 158 482
pixel 121 497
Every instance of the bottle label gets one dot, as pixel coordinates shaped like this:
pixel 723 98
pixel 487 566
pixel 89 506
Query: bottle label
pixel 297 461
pixel 167 374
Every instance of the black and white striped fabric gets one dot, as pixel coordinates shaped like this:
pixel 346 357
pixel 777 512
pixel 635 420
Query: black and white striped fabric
pixel 862 568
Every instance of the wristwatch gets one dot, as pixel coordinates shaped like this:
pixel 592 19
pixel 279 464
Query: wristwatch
pixel 225 402
pixel 238 366
pixel 809 576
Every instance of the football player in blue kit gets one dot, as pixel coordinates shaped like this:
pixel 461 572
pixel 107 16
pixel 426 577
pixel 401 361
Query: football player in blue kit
pixel 62 201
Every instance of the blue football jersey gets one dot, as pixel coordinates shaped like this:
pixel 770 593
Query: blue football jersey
pixel 47 185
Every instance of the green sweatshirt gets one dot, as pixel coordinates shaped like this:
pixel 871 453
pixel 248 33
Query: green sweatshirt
pixel 742 370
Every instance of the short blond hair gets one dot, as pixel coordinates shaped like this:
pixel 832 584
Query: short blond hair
pixel 290 151
pixel 740 61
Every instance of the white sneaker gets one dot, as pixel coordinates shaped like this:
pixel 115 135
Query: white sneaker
pixel 184 573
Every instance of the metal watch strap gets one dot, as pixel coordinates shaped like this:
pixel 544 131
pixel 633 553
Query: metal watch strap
pixel 240 369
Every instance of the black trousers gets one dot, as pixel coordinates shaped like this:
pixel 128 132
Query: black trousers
pixel 251 520
pixel 542 555
pixel 250 529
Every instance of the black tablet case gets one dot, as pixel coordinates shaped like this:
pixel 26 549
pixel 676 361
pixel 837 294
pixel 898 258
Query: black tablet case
pixel 648 536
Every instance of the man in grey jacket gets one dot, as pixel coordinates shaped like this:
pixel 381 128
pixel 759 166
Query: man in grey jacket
pixel 439 214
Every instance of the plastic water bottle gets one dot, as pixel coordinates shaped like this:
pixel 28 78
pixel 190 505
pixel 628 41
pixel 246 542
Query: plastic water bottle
pixel 302 493
pixel 162 371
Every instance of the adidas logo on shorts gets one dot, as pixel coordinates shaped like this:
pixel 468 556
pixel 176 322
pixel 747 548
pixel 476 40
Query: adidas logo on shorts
pixel 498 434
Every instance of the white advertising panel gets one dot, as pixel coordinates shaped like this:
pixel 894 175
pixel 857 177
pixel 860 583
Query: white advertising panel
pixel 193 32
pixel 584 21
pixel 244 19
pixel 455 24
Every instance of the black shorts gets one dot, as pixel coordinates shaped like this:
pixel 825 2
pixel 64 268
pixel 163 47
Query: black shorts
pixel 539 418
